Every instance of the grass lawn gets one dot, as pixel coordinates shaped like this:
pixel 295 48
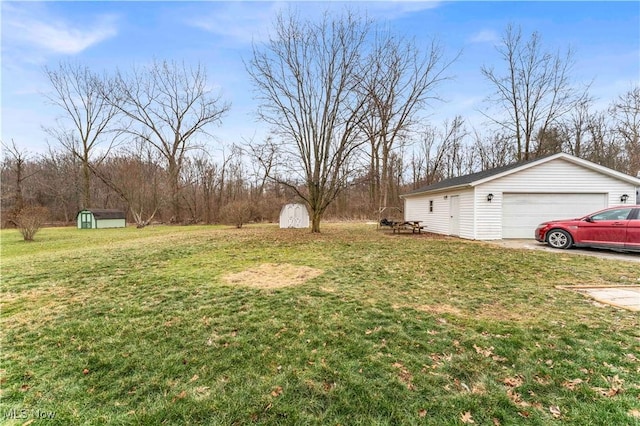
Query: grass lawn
pixel 214 325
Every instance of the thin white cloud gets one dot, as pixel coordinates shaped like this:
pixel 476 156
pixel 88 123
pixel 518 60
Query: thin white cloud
pixel 485 36
pixel 244 22
pixel 237 21
pixel 389 10
pixel 38 29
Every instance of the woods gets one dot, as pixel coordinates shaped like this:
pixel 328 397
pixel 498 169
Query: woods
pixel 348 105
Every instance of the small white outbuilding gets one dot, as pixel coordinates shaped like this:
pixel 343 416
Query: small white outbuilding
pixel 510 201
pixel 294 216
pixel 101 218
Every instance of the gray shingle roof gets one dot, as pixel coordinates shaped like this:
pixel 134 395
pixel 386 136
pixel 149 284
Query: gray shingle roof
pixel 107 213
pixel 470 178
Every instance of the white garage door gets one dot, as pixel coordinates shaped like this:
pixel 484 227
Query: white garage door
pixel 522 213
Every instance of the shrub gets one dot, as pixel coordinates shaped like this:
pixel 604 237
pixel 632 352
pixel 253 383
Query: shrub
pixel 30 219
pixel 237 213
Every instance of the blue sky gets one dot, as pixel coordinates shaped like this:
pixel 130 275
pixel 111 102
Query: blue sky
pixel 605 37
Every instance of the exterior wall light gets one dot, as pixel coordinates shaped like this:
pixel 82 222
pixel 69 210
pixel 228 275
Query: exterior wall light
pixel 489 197
pixel 624 198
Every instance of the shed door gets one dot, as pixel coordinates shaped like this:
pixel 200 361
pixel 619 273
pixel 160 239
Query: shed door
pixel 522 213
pixel 85 220
pixel 454 212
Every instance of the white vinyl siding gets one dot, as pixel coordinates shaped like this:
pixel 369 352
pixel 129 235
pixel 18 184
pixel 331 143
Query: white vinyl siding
pixel 110 223
pixel 417 208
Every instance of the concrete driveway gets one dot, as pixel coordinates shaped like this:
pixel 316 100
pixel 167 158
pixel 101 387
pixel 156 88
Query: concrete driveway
pixel 625 297
pixel 534 245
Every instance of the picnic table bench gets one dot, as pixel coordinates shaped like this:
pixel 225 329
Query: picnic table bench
pixel 408 225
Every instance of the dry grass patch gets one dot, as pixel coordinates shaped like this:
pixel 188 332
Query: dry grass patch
pixel 494 311
pixel 439 309
pixel 42 306
pixel 270 275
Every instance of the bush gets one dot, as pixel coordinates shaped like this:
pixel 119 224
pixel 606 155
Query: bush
pixel 237 213
pixel 30 219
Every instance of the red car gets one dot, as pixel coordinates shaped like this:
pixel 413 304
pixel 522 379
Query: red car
pixel 613 228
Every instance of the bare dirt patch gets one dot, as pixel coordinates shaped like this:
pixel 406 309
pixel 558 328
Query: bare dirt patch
pixel 270 275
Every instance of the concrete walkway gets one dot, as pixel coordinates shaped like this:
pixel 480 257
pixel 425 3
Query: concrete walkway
pixel 625 297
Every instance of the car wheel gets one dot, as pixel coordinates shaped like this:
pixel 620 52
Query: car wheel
pixel 557 238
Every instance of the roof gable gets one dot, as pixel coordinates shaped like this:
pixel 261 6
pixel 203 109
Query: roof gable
pixel 478 178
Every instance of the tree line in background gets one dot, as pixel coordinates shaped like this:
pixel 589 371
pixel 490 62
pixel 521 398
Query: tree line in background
pixel 347 103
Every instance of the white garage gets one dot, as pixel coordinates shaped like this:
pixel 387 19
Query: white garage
pixel 509 202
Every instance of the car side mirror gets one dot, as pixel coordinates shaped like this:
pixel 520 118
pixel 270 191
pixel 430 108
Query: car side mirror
pixel 588 219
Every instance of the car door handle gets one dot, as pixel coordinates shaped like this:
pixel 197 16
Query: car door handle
pixel 617 224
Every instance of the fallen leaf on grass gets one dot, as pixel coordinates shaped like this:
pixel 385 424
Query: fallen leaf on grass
pixel 542 380
pixel 513 382
pixel 635 413
pixel 516 398
pixel 462 385
pixel 405 375
pixel 482 351
pixel 422 413
pixel 194 378
pixel 466 418
pixel 615 388
pixel 571 384
pixel 181 395
pixel 277 391
pixel 496 422
pixel 555 411
pixel 328 386
pixel 478 389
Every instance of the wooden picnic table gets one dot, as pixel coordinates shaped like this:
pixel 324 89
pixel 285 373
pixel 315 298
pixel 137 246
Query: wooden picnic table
pixel 410 225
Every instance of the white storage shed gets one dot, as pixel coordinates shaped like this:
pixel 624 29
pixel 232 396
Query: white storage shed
pixel 294 216
pixel 101 218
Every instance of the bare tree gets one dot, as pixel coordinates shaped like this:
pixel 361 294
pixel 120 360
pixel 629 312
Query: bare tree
pixel 493 151
pixel 78 93
pixel 438 150
pixel 136 177
pixel 15 159
pixel 625 112
pixel 19 201
pixel 305 77
pixel 399 81
pixel 604 148
pixel 533 92
pixel 575 128
pixel 58 183
pixel 168 106
pixel 206 179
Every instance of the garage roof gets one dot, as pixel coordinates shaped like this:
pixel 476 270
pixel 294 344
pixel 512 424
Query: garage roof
pixel 474 179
